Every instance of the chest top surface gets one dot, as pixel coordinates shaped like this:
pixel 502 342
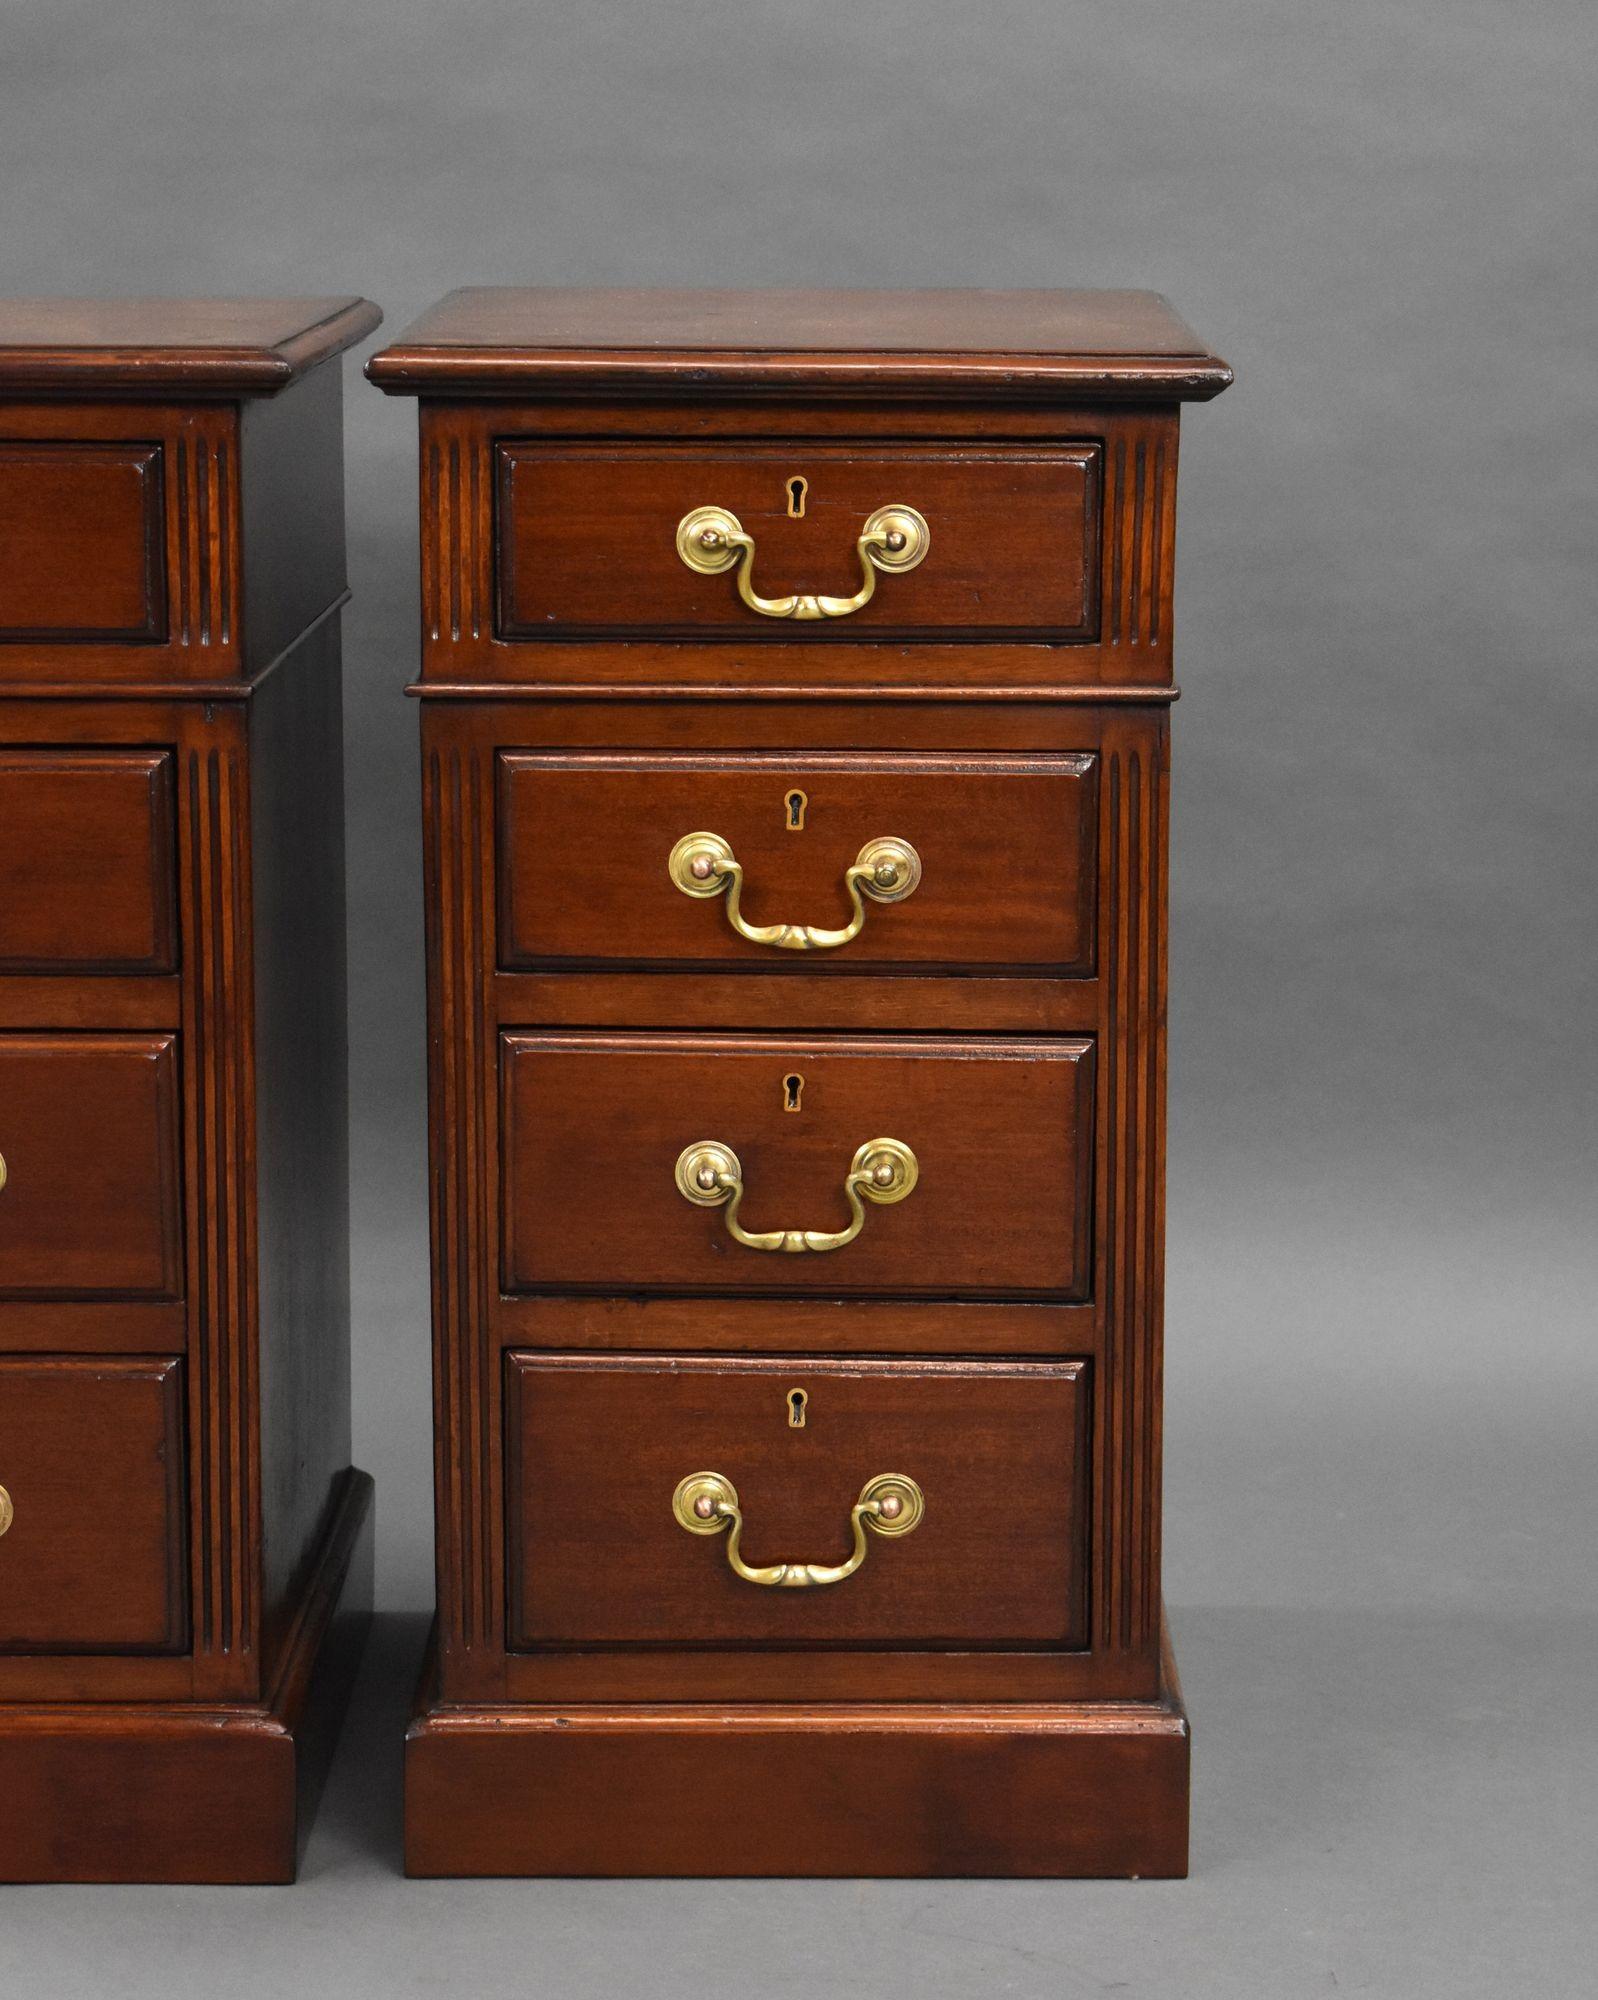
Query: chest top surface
pixel 187 347
pixel 1115 344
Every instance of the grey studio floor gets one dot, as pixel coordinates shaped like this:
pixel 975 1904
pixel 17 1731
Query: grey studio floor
pixel 1380 1524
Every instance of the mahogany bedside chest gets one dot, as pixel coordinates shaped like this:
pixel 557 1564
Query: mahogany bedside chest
pixel 796 673
pixel 184 1549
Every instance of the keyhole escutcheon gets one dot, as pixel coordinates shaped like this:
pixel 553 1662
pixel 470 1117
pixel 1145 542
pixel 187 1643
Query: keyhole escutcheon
pixel 793 811
pixel 798 490
pixel 793 1088
pixel 796 1409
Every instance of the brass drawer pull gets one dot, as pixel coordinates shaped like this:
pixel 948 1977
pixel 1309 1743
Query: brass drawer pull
pixel 710 540
pixel 707 1502
pixel 709 1175
pixel 8 1513
pixel 886 869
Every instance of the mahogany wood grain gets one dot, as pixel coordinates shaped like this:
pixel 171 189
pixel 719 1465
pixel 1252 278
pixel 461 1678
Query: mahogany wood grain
pixel 1007 847
pixel 587 539
pixel 592 1128
pixel 91 1453
pixel 87 862
pixel 199 347
pixel 170 900
pixel 751 1788
pixel 296 778
pixel 583 701
pixel 142 1787
pixel 108 1000
pixel 569 341
pixel 89 1127
pixel 605 541
pixel 821 1326
pixel 82 542
pixel 596 1447
pixel 745 997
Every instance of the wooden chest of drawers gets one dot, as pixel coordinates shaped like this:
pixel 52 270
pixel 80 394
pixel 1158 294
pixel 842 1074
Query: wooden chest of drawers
pixel 796 677
pixel 184 1548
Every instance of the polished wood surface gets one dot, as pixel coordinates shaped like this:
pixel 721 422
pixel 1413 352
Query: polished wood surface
pixel 89 1126
pixel 493 340
pixel 1013 549
pixel 1006 845
pixel 91 1453
pixel 87 861
pixel 173 1228
pixel 600 1679
pixel 592 1126
pixel 596 1448
pixel 1071 589
pixel 770 1789
pixel 199 347
pixel 157 1790
pixel 235 550
pixel 82 530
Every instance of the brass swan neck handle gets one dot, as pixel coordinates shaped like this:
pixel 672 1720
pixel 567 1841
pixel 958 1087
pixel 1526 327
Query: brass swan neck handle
pixel 706 1503
pixel 886 869
pixel 710 1175
pixel 712 539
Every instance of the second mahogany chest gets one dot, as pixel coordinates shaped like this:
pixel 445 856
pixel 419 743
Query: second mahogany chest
pixel 795 690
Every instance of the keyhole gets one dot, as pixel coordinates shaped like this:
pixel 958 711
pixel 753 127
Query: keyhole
pixel 797 490
pixel 793 808
pixel 796 1409
pixel 793 1088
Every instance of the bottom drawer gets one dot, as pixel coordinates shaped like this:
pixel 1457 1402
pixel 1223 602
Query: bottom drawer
pixel 91 1467
pixel 993 1456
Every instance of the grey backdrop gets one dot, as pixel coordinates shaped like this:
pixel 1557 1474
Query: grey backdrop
pixel 1381 1273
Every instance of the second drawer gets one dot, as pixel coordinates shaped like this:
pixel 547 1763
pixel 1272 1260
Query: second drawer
pixel 913 1167
pixel 981 863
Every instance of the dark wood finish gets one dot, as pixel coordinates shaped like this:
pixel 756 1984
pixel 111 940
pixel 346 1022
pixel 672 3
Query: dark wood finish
pixel 672 631
pixel 81 542
pixel 91 1453
pixel 197 347
pixel 89 1126
pixel 1013 550
pixel 596 1688
pixel 181 1791
pixel 546 340
pixel 172 1108
pixel 595 1449
pixel 697 1324
pixel 235 545
pixel 1007 845
pixel 302 1117
pixel 87 866
pixel 592 1127
pixel 1002 1789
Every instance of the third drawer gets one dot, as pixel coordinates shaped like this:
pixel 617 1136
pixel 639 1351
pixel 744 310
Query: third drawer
pixel 622 1154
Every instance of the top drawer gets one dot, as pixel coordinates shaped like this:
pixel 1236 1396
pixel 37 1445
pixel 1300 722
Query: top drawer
pixel 87 875
pixel 598 540
pixel 82 541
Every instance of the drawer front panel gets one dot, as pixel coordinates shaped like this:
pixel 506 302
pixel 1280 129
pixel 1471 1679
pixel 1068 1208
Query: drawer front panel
pixel 595 1450
pixel 87 872
pixel 82 542
pixel 89 1132
pixel 593 1131
pixel 1006 846
pixel 91 1460
pixel 587 539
